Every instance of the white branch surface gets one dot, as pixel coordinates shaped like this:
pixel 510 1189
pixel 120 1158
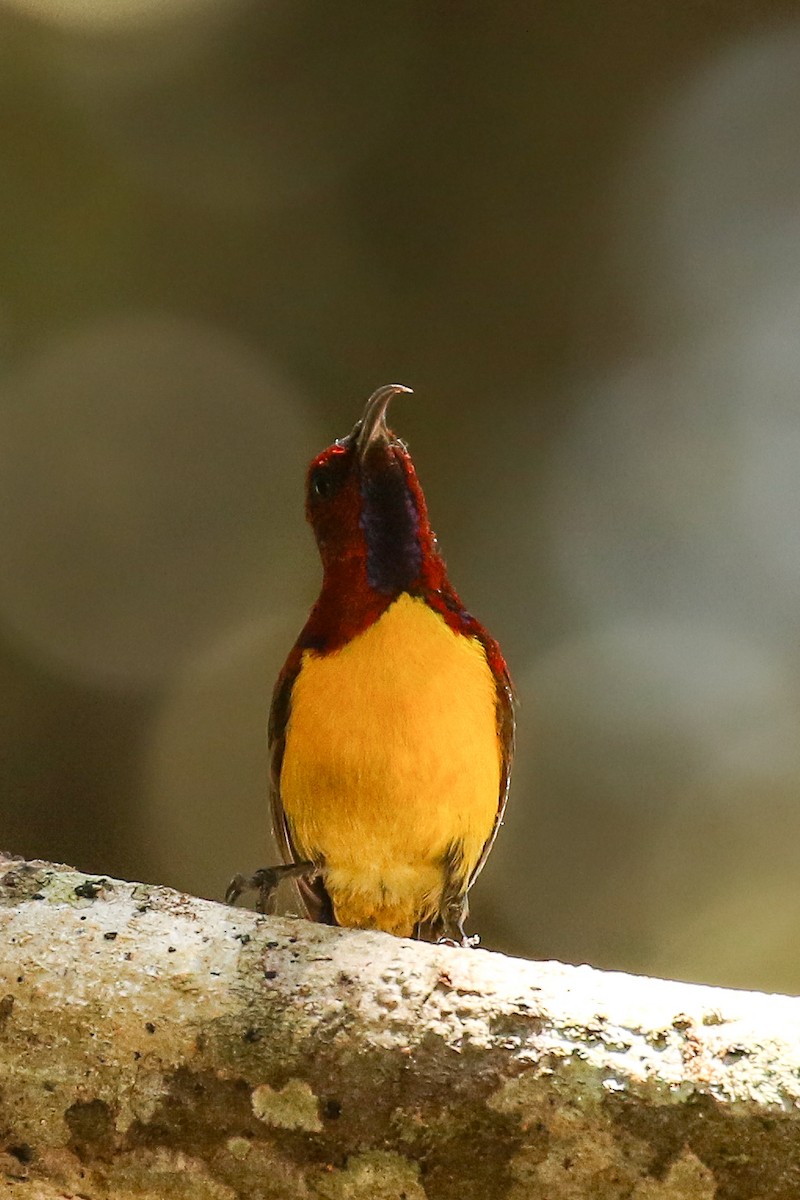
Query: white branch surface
pixel 153 1045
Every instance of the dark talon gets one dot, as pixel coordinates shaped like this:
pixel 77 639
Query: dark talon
pixel 450 922
pixel 464 942
pixel 265 881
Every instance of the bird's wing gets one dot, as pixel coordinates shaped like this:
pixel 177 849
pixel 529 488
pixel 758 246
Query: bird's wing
pixel 313 896
pixel 505 733
pixel 446 601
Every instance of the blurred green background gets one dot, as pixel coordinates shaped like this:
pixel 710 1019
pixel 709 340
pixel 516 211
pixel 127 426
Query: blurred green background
pixel 575 231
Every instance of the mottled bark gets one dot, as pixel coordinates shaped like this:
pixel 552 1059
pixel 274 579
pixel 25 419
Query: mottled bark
pixel 154 1045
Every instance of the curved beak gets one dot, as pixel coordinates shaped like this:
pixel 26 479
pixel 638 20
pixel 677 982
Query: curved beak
pixel 372 426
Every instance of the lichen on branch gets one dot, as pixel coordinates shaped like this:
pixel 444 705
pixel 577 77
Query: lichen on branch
pixel 154 1045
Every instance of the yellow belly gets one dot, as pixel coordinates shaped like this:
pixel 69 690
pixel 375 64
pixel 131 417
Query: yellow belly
pixel 392 761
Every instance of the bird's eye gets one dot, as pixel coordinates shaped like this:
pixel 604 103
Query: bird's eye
pixel 323 483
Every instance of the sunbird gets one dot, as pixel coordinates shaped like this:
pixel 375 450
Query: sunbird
pixel 391 731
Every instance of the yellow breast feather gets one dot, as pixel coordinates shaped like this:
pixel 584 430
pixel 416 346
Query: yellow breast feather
pixel 392 765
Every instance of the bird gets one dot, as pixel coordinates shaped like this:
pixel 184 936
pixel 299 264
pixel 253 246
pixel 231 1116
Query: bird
pixel 391 729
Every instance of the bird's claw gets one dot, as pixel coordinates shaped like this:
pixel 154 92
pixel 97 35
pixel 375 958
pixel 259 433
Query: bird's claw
pixel 237 886
pixel 265 881
pixel 464 942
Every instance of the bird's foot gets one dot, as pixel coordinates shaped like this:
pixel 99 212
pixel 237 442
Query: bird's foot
pixel 453 917
pixel 265 882
pixel 465 942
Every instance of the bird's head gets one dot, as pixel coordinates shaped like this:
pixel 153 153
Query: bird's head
pixel 366 507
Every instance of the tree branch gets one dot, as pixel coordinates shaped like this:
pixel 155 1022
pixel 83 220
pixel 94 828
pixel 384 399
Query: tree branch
pixel 157 1045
